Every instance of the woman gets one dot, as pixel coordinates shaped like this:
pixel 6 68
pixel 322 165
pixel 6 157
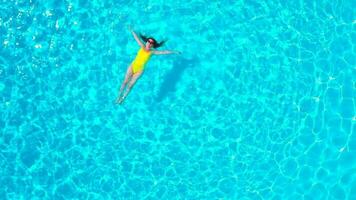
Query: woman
pixel 136 68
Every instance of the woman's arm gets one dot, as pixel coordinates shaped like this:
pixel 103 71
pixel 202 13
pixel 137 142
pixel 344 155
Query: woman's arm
pixel 136 38
pixel 165 52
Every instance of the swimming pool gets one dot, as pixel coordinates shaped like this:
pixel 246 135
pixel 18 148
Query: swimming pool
pixel 260 104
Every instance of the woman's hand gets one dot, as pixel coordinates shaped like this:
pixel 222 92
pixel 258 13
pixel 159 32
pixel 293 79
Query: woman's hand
pixel 130 28
pixel 176 52
pixel 135 36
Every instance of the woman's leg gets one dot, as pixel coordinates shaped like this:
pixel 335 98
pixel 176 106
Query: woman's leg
pixel 132 82
pixel 127 78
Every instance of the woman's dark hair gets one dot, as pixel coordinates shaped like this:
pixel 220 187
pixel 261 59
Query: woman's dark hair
pixel 155 43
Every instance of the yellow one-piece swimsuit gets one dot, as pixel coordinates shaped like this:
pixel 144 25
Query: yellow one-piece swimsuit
pixel 141 59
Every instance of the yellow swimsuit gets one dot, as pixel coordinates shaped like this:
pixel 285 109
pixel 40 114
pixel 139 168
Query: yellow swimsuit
pixel 141 59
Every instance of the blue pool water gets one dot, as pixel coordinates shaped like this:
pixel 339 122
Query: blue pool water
pixel 260 104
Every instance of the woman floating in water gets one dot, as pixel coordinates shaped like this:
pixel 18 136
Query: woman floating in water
pixel 136 68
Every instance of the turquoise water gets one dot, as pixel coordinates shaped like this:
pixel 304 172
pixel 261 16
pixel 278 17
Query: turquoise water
pixel 260 104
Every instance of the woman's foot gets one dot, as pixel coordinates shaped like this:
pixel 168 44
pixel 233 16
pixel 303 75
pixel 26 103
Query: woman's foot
pixel 120 100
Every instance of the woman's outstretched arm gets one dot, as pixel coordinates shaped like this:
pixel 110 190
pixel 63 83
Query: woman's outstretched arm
pixel 165 52
pixel 136 37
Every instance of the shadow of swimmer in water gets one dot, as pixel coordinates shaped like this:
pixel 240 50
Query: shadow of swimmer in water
pixel 173 76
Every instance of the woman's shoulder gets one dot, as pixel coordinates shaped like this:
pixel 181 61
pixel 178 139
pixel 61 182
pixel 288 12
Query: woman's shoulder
pixel 146 51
